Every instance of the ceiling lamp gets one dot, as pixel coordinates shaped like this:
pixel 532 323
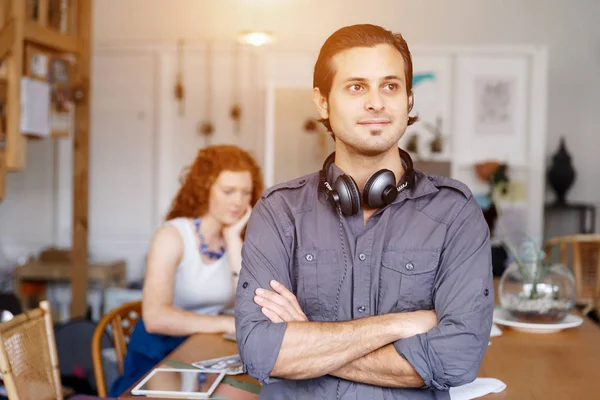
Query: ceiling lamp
pixel 255 38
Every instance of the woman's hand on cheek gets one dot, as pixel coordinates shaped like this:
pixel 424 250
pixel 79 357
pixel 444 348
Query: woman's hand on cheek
pixel 234 231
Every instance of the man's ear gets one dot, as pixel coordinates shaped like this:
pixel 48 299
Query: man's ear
pixel 321 103
pixel 411 101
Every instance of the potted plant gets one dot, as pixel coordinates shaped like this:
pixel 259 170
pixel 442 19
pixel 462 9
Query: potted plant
pixel 532 289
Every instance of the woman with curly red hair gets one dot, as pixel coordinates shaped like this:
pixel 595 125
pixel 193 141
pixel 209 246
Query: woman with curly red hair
pixel 194 258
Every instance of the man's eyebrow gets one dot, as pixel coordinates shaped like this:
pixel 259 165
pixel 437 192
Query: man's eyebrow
pixel 355 79
pixel 393 77
pixel 385 78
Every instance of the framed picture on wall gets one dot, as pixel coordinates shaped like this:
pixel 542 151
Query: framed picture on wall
pixel 37 62
pixel 491 108
pixel 59 71
pixel 495 104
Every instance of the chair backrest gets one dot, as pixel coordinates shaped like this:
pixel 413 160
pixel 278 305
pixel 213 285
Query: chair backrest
pixel 581 253
pixel 121 321
pixel 28 359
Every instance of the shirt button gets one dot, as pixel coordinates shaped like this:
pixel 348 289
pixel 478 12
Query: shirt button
pixel 362 257
pixel 309 257
pixel 486 292
pixel 361 309
pixel 245 285
pixel 409 266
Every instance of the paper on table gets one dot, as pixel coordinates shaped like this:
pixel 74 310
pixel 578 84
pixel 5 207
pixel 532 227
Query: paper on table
pixel 495 331
pixel 231 365
pixel 478 388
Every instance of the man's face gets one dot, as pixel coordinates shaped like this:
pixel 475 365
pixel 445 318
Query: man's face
pixel 368 104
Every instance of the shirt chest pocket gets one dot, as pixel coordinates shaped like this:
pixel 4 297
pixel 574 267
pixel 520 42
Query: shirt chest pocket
pixel 317 282
pixel 407 279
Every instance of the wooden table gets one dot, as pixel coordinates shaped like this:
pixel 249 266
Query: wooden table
pixel 563 365
pixel 199 347
pixel 106 273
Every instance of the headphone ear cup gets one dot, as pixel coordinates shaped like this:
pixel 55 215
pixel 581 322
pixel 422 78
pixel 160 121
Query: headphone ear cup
pixel 380 189
pixel 349 196
pixel 333 199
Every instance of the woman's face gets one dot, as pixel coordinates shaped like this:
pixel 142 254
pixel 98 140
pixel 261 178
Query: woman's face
pixel 230 196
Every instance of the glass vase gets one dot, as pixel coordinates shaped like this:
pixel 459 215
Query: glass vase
pixel 536 293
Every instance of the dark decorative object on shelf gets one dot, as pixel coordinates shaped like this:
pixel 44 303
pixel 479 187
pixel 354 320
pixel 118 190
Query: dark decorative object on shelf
pixel 412 145
pixel 436 144
pixel 206 128
pixel 236 112
pixel 310 125
pixel 179 88
pixel 561 173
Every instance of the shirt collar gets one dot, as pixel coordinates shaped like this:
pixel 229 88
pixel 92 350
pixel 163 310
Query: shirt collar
pixel 423 187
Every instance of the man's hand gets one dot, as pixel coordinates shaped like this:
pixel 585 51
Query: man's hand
pixel 282 306
pixel 279 306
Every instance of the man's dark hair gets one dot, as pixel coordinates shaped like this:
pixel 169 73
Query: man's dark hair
pixel 364 35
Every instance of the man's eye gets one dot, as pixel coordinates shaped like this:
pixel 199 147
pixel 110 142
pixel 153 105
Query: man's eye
pixel 355 87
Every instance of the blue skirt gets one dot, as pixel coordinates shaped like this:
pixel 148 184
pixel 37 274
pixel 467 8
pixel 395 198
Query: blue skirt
pixel 144 352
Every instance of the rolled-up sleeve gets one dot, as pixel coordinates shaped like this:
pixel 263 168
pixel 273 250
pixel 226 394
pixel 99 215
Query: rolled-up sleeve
pixel 451 353
pixel 265 256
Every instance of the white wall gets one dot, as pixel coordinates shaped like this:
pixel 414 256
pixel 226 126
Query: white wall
pixel 569 29
pixel 34 215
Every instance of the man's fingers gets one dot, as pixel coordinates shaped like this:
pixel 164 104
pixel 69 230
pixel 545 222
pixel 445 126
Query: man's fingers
pixel 283 312
pixel 282 290
pixel 271 315
pixel 276 298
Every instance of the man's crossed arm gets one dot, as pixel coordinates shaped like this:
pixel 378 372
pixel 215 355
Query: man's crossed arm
pixel 359 350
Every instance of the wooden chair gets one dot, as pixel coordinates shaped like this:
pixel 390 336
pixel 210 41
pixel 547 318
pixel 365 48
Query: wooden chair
pixel 28 358
pixel 581 253
pixel 121 320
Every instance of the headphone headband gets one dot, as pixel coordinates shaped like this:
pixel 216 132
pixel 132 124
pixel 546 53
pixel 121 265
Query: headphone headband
pixel 409 173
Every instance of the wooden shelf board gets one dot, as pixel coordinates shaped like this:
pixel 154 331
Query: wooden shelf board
pixel 51 39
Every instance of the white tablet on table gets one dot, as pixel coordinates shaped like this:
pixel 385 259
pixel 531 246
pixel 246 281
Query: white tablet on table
pixel 173 382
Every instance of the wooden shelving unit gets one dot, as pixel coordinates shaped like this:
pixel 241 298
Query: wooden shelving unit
pixel 62 28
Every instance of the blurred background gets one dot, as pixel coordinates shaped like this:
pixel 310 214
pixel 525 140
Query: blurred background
pixel 104 103
pixel 497 83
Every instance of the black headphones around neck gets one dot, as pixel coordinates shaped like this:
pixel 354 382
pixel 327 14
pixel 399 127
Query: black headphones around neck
pixel 379 191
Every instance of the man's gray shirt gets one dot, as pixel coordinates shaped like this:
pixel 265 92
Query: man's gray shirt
pixel 429 249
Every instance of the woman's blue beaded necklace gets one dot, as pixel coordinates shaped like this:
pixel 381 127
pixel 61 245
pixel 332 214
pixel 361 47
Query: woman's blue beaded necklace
pixel 204 247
